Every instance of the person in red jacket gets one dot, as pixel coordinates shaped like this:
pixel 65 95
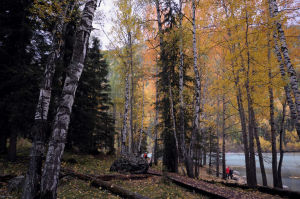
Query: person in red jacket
pixel 227 172
pixel 145 155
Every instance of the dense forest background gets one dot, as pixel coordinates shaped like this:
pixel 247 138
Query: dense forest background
pixel 185 80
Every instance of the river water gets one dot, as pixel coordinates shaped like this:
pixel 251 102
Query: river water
pixel 290 168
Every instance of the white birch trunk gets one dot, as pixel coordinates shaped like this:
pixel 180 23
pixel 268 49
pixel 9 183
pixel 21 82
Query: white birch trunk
pixel 142 125
pixel 182 133
pixel 56 146
pixel 130 115
pixel 31 187
pixel 125 117
pixel 197 85
pixel 287 89
pixel 273 8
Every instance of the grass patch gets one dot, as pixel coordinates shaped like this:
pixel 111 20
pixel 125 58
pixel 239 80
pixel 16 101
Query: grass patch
pixel 74 188
pixel 154 187
pixel 88 164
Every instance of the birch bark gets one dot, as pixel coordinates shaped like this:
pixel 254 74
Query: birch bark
pixel 131 93
pixel 50 175
pixel 197 85
pixel 287 89
pixel 142 125
pixel 31 187
pixel 125 117
pixel 273 8
pixel 182 133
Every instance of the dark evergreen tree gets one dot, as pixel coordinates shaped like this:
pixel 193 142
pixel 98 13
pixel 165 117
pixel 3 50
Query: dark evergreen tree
pixel 168 77
pixel 19 77
pixel 92 126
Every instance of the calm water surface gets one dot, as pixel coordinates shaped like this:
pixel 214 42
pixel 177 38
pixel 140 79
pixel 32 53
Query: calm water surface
pixel 290 168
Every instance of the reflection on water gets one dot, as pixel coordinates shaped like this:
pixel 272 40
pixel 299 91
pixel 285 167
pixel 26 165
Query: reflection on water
pixel 290 168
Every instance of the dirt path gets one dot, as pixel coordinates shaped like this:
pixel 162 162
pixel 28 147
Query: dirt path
pixel 214 190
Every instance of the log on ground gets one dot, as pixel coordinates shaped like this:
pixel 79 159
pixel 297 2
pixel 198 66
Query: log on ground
pixel 115 189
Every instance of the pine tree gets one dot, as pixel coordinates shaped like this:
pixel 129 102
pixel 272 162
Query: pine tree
pixel 91 124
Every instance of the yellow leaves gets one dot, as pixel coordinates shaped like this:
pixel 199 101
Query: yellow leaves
pixel 265 145
pixel 291 136
pixel 48 12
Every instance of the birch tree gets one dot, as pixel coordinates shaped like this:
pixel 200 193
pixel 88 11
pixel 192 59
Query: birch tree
pixel 50 175
pixel 279 34
pixel 197 83
pixel 32 181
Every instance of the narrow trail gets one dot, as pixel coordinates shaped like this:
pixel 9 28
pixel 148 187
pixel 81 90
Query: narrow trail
pixel 213 190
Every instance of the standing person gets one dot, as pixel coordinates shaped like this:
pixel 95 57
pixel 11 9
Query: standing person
pixel 227 172
pixel 145 155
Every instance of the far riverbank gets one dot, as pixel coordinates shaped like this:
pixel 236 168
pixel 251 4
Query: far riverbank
pixel 290 168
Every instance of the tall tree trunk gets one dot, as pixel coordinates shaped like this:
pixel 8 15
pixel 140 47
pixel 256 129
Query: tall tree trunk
pixel 281 132
pixel 197 85
pixel 223 139
pixel 162 52
pixel 156 118
pixel 130 117
pixel 272 122
pixel 259 152
pixel 244 132
pixel 31 187
pixel 218 148
pixel 251 119
pixel 142 125
pixel 273 135
pixel 287 89
pixel 273 8
pixel 12 148
pixel 210 153
pixel 173 122
pixel 56 146
pixel 181 124
pixel 125 117
pixel 184 153
pixel 253 181
pixel 131 93
pixel 240 107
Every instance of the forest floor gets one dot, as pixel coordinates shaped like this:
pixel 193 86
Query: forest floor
pixel 69 187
